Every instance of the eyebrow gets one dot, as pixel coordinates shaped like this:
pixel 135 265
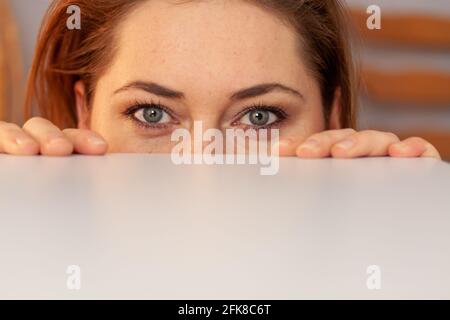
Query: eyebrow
pixel 154 88
pixel 160 90
pixel 262 89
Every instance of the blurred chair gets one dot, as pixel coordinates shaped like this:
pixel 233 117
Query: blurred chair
pixel 11 74
pixel 413 86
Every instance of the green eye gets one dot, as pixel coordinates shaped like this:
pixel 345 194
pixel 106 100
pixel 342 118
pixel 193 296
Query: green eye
pixel 152 115
pixel 259 118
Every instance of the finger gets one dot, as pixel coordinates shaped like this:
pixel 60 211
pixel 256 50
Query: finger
pixel 414 147
pixel 286 147
pixel 319 144
pixel 50 138
pixel 15 141
pixel 86 141
pixel 367 143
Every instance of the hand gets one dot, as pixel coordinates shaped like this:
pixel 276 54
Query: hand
pixel 348 143
pixel 40 136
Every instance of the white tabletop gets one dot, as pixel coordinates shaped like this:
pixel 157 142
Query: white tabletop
pixel 139 226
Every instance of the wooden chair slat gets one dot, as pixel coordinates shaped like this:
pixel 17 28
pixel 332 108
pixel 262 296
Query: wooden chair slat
pixel 417 88
pixel 410 30
pixel 3 90
pixel 11 66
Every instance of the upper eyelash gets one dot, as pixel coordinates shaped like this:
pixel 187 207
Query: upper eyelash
pixel 129 113
pixel 259 106
pixel 142 104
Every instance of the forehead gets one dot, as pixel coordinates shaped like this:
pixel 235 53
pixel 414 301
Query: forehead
pixel 231 41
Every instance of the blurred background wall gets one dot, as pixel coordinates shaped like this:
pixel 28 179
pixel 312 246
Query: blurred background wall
pixel 404 82
pixel 405 68
pixel 28 14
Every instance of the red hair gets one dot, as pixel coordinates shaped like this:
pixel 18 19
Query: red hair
pixel 64 56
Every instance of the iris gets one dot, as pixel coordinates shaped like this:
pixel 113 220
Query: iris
pixel 259 117
pixel 153 115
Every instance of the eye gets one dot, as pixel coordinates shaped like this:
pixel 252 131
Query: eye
pixel 260 117
pixel 152 115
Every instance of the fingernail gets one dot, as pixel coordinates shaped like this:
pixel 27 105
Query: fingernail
pixel 346 144
pixel 96 141
pixel 23 141
pixel 310 144
pixel 401 146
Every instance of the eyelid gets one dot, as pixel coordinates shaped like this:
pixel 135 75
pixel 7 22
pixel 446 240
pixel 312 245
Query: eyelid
pixel 141 104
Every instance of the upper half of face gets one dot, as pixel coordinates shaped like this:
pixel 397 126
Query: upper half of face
pixel 200 57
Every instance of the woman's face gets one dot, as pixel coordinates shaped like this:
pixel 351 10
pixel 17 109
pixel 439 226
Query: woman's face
pixel 229 64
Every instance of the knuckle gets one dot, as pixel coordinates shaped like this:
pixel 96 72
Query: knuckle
pixel 9 132
pixel 390 136
pixel 70 131
pixel 339 132
pixel 369 132
pixel 7 127
pixel 349 130
pixel 36 121
pixel 416 140
pixel 375 133
pixel 331 135
pixel 316 136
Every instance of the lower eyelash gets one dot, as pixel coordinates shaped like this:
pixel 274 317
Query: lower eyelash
pixel 274 125
pixel 149 126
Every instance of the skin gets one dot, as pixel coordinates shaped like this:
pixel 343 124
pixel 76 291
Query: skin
pixel 246 47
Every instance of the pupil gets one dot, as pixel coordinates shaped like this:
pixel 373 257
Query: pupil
pixel 153 115
pixel 259 117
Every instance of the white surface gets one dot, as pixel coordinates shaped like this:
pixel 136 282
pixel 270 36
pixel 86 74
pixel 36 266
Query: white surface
pixel 141 227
